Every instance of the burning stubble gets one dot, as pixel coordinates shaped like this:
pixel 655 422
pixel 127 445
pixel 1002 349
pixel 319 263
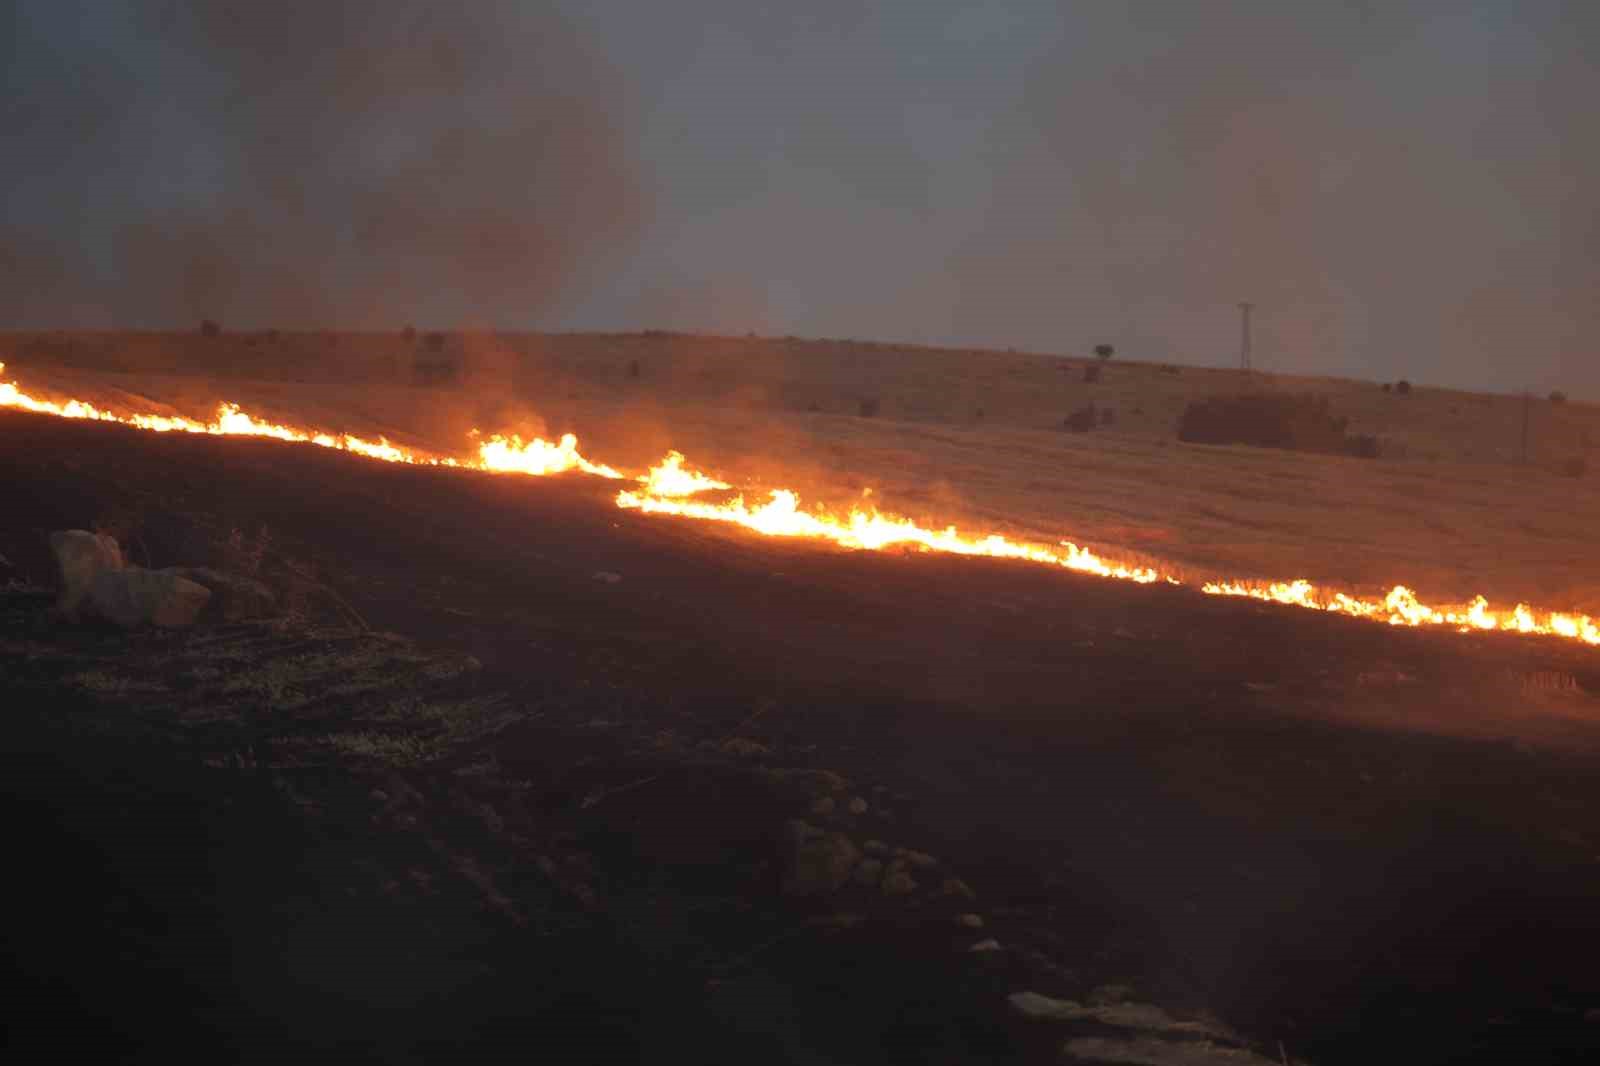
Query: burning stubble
pixel 674 488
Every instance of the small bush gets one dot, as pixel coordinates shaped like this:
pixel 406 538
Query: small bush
pixel 1575 466
pixel 1091 374
pixel 1364 446
pixel 1387 387
pixel 410 334
pixel 869 407
pixel 633 368
pixel 1080 421
pixel 1103 352
pixel 1558 396
pixel 1168 368
pixel 208 328
pixel 1403 387
pixel 434 342
pixel 1296 423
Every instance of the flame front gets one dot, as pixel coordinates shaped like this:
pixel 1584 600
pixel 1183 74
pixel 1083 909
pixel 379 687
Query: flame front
pixel 668 488
pixel 537 457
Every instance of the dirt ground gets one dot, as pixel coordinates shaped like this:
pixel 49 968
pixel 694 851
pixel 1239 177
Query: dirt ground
pixel 539 799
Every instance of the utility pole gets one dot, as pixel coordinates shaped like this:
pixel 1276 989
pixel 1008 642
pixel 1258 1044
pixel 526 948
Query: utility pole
pixel 1527 398
pixel 1244 335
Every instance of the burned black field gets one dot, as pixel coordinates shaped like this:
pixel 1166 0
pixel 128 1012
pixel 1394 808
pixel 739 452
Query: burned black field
pixel 518 773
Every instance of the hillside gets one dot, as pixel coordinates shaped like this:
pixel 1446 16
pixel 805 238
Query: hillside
pixel 974 438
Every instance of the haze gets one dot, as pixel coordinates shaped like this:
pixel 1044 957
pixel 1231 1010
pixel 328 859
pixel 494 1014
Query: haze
pixel 1404 189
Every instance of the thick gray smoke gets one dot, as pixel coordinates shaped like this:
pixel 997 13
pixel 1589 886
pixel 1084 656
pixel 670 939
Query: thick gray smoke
pixel 1403 188
pixel 308 162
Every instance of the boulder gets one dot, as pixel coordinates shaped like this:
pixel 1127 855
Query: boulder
pixel 80 556
pixel 897 880
pixel 234 597
pixel 818 863
pixel 134 597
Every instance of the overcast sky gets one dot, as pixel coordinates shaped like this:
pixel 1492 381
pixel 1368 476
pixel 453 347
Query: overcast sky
pixel 1403 187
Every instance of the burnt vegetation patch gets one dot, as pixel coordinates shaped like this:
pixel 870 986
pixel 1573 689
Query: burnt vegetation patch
pixel 1299 423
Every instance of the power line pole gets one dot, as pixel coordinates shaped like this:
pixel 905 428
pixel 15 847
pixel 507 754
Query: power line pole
pixel 1244 335
pixel 1526 400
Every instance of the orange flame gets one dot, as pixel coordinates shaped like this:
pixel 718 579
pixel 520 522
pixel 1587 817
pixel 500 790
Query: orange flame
pixel 537 457
pixel 667 487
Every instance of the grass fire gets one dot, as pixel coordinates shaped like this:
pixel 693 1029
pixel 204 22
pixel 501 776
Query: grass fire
pixel 880 533
pixel 665 486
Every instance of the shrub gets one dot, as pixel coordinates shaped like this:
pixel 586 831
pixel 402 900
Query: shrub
pixel 1575 466
pixel 1364 446
pixel 1296 423
pixel 869 407
pixel 1387 387
pixel 1091 374
pixel 208 328
pixel 1558 396
pixel 1080 421
pixel 1403 387
pixel 1104 352
pixel 409 333
pixel 435 342
pixel 633 368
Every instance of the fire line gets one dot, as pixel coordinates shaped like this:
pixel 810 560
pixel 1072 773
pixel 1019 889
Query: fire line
pixel 669 488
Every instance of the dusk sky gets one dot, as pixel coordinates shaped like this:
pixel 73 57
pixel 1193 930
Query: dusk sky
pixel 1403 188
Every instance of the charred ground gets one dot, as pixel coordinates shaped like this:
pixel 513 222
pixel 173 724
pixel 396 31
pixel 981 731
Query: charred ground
pixel 1367 843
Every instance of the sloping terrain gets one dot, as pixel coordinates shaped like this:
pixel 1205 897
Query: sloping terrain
pixel 974 438
pixel 561 806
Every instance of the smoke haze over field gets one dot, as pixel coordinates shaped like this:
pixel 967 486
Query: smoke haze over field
pixel 1403 189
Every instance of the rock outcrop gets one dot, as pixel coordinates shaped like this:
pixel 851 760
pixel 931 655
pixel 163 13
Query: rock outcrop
pixel 818 862
pixel 132 597
pixel 80 557
pixel 234 597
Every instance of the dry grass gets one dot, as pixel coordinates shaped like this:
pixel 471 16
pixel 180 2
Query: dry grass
pixel 1447 510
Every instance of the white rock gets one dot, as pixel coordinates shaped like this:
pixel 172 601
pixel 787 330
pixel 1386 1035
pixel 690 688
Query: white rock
pixel 983 946
pixel 1034 1005
pixel 234 597
pixel 133 597
pixel 80 555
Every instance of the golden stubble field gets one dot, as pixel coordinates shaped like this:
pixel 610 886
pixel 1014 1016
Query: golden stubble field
pixel 973 438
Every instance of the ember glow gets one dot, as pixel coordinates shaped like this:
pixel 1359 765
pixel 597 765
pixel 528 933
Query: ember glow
pixel 668 488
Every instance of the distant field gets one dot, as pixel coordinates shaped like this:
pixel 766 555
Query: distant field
pixel 973 438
